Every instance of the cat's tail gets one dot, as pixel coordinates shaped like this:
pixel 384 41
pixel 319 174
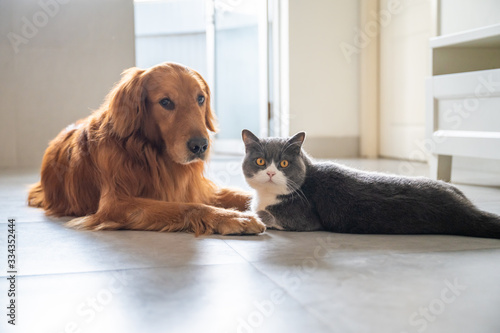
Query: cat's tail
pixel 487 225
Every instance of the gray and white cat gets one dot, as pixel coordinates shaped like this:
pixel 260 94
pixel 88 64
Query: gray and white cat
pixel 293 193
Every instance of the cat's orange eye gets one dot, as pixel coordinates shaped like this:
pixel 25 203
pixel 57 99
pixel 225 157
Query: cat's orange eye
pixel 284 163
pixel 260 161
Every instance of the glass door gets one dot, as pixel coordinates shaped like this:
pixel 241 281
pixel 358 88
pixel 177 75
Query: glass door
pixel 238 31
pixel 227 42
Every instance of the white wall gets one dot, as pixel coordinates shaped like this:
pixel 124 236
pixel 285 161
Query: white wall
pixel 404 65
pixel 62 69
pixel 459 15
pixel 323 84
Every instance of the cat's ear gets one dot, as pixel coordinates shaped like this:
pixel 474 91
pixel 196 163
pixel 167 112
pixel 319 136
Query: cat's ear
pixel 297 138
pixel 249 138
pixel 295 142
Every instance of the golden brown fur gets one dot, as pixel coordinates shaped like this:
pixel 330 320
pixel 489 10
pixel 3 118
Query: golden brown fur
pixel 128 165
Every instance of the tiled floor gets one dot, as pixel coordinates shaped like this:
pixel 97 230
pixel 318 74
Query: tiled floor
pixel 127 281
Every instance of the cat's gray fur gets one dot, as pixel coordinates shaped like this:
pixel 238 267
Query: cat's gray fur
pixel 306 196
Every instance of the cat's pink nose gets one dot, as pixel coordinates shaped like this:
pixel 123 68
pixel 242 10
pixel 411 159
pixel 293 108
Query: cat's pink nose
pixel 271 174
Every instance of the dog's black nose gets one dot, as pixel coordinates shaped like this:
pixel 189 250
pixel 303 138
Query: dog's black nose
pixel 198 145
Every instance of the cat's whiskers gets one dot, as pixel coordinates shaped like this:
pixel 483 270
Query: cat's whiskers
pixel 300 195
pixel 296 190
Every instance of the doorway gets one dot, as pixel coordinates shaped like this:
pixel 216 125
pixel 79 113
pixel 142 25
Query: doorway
pixel 228 42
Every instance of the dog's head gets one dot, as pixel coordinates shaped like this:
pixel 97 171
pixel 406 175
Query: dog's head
pixel 169 105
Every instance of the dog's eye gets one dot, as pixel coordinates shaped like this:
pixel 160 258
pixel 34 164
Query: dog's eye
pixel 167 104
pixel 201 100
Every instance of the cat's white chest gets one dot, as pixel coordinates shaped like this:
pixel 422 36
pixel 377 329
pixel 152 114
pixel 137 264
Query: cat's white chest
pixel 269 184
pixel 264 199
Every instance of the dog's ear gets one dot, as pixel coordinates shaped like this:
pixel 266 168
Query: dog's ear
pixel 210 119
pixel 127 103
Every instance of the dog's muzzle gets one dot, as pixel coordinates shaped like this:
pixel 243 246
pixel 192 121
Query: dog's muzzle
pixel 198 147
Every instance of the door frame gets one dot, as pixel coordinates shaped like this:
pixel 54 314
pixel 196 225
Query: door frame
pixel 269 16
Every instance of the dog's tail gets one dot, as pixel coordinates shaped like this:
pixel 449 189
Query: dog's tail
pixel 36 196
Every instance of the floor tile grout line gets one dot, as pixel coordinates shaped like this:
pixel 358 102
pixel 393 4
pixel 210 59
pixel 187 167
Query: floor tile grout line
pixel 476 248
pixel 123 269
pixel 319 318
pixel 252 263
pixel 369 252
pixel 301 304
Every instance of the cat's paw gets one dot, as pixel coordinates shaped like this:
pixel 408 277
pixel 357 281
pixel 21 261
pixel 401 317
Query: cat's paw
pixel 268 219
pixel 265 217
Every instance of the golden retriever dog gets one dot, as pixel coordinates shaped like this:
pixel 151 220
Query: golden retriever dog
pixel 138 161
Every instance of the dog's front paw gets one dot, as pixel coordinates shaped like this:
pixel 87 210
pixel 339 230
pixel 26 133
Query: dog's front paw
pixel 90 222
pixel 241 223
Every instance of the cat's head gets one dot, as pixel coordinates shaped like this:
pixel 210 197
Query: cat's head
pixel 274 165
